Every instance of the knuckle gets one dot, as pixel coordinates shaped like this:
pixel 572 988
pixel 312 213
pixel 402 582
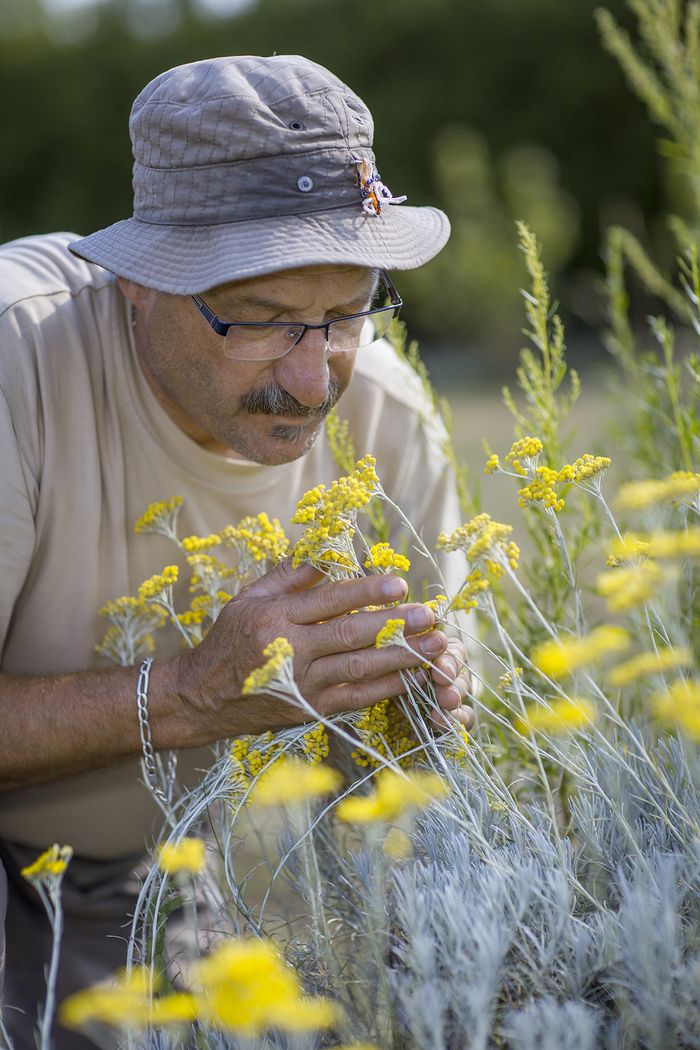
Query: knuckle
pixel 345 633
pixel 357 666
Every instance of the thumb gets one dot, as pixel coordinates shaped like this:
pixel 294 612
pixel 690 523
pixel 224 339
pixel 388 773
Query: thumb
pixel 283 579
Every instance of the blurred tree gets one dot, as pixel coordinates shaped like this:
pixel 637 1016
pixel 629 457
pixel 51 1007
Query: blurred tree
pixel 511 71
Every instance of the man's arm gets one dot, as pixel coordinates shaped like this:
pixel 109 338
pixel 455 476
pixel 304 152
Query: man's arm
pixel 61 725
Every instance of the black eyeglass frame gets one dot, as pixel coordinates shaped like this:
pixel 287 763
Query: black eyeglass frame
pixel 222 327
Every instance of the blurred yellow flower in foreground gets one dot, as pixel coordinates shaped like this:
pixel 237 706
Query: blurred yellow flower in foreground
pixel 659 543
pixel 559 717
pixel 624 588
pixel 560 657
pixel 123 1004
pixel 394 794
pixel 184 857
pixel 52 861
pixel 635 495
pixel 289 780
pixel 680 705
pixel 244 986
pixel 649 663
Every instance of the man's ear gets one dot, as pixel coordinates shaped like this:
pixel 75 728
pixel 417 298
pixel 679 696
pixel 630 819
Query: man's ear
pixel 138 295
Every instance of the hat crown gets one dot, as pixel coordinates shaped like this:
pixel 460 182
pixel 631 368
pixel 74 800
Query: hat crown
pixel 240 108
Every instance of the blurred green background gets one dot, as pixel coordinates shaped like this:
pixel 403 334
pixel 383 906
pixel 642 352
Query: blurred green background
pixel 494 111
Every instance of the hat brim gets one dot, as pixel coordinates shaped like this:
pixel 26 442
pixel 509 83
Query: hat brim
pixel 183 260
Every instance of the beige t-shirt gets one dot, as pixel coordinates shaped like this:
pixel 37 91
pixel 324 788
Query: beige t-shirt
pixel 85 447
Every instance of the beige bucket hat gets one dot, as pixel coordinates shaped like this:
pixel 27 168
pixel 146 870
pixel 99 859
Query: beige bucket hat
pixel 245 166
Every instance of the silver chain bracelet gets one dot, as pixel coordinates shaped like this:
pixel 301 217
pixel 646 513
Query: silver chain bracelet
pixel 154 775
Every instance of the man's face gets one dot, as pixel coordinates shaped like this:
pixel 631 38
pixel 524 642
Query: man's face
pixel 266 411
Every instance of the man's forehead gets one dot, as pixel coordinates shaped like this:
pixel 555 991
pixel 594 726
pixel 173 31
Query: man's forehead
pixel 285 285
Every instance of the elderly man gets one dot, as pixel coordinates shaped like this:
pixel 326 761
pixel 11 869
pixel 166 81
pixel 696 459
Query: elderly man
pixel 193 350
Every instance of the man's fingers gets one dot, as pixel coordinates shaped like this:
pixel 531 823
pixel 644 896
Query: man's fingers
pixel 282 579
pixel 361 665
pixel 349 696
pixel 359 631
pixel 336 599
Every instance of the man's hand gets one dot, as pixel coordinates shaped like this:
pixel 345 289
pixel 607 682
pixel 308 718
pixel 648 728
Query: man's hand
pixel 453 685
pixel 336 665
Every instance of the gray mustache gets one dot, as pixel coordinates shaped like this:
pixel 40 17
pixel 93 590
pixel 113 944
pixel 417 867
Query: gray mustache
pixel 274 401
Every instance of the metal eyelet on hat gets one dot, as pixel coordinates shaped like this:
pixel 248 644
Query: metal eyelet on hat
pixel 296 125
pixel 305 183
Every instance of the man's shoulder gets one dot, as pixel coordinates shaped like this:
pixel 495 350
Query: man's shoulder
pixel 42 267
pixel 385 383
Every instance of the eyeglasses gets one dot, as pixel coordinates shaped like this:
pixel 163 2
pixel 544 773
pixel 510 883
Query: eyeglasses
pixel 256 341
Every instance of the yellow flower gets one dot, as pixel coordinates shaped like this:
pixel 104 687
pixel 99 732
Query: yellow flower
pixel 492 464
pixel 124 1004
pixel 244 986
pixel 289 780
pixel 315 745
pixel 585 467
pixel 506 679
pixel 483 538
pixel 525 448
pixel 51 863
pixel 397 844
pixel 680 705
pixel 277 670
pixel 394 794
pixel 649 663
pixel 559 657
pixel 186 856
pixel 559 717
pixel 198 544
pixel 540 489
pixel 391 633
pixel 260 537
pixel 660 543
pixel 626 587
pixel 154 587
pixel 384 728
pixel 383 557
pixel 468 596
pixel 160 517
pixel 682 485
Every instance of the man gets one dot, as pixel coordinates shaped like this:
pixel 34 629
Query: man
pixel 193 350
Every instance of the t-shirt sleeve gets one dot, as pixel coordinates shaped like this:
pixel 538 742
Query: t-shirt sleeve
pixel 17 530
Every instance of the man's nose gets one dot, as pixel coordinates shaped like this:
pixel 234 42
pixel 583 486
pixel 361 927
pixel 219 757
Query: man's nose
pixel 304 372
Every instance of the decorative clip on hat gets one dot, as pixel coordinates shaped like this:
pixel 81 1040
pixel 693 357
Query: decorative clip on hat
pixel 374 192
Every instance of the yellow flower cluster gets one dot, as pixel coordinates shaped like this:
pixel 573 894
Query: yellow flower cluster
pixel 385 559
pixel 559 717
pixel 384 728
pixel 160 517
pixel 525 448
pixel 540 489
pixel 506 679
pixel 483 538
pixel 560 657
pixel 585 467
pixel 626 587
pixel 330 515
pixel 468 596
pixel 660 543
pixel 394 794
pixel 200 544
pixel 681 485
pixel 200 608
pixel 151 590
pixel 277 669
pixel 50 864
pixel 261 537
pixel 290 780
pixel 184 857
pixel 315 744
pixel 493 463
pixel 680 705
pixel 649 663
pixel 209 573
pixel 391 633
pixel 242 986
pixel 438 605
pixel 248 762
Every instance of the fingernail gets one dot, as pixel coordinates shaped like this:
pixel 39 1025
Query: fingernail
pixel 419 618
pixel 393 588
pixel 432 644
